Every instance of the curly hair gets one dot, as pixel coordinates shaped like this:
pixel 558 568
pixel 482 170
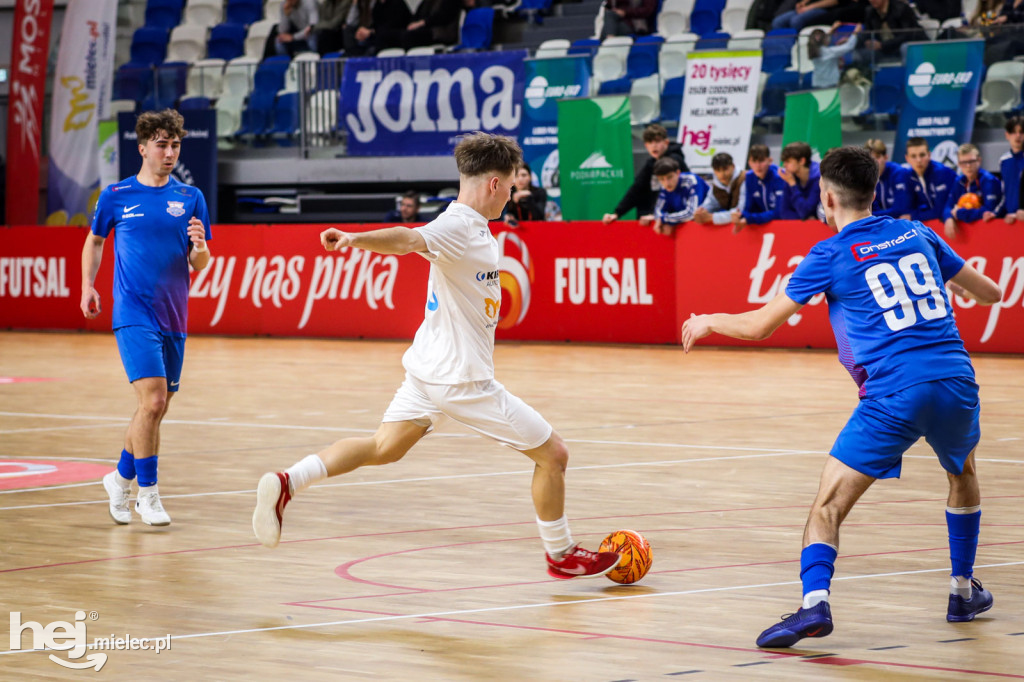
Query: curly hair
pixel 151 123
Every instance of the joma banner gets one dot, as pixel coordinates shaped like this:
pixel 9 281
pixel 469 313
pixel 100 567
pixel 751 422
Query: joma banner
pixel 419 106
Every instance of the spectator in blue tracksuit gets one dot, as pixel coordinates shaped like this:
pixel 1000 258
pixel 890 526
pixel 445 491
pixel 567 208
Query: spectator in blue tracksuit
pixel 892 193
pixel 763 190
pixel 1011 168
pixel 680 195
pixel 930 182
pixel 801 174
pixel 974 179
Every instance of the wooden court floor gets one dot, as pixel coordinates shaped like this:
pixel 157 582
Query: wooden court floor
pixel 430 569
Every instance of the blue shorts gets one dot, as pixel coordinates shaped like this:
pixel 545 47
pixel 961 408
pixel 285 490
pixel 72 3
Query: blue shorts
pixel 148 353
pixel 880 430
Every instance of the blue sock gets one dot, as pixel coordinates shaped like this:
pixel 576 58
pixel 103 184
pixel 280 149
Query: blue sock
pixel 963 541
pixel 126 466
pixel 817 564
pixel 146 469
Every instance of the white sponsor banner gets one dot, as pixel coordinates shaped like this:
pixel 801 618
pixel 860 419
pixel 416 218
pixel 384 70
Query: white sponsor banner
pixel 81 98
pixel 718 106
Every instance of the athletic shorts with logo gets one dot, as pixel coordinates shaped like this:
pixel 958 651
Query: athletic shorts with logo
pixel 149 353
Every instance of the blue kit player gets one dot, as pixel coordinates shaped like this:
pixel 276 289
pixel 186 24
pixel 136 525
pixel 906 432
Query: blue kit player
pixel 883 280
pixel 680 196
pixel 162 227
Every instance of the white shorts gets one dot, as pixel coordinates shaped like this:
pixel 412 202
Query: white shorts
pixel 484 406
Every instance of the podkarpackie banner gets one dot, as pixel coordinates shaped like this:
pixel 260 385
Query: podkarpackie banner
pixel 586 281
pixel 813 117
pixel 718 106
pixel 940 91
pixel 419 106
pixel 595 155
pixel 547 81
pixel 30 49
pixel 81 98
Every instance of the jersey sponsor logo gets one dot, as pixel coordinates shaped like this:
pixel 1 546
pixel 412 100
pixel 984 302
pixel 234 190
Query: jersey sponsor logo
pixel 863 251
pixel 118 188
pixel 492 277
pixel 176 208
pixel 432 303
pixel 127 212
pixel 492 307
pixel 131 208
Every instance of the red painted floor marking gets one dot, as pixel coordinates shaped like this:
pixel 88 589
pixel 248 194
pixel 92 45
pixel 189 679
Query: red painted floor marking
pixel 35 473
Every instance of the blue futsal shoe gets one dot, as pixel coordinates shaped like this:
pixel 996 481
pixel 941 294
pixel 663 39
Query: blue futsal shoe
pixel 813 622
pixel 963 610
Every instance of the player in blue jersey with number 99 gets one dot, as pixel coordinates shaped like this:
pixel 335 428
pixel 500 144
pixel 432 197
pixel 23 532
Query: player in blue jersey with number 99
pixel 883 280
pixel 162 226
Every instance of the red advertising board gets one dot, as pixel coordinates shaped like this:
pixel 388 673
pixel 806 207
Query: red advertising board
pixel 561 281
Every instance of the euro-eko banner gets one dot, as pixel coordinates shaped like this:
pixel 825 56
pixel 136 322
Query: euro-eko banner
pixel 595 155
pixel 718 106
pixel 547 81
pixel 420 106
pixel 813 117
pixel 940 91
pixel 81 98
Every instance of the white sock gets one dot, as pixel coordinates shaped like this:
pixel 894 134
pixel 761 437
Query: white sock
pixel 961 586
pixel 555 536
pixel 121 480
pixel 815 597
pixel 305 472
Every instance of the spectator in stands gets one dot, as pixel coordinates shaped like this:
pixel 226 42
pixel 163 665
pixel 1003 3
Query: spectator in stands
pixel 328 31
pixel 803 13
pixel 889 24
pixel 357 35
pixel 764 191
pixel 642 194
pixel 628 17
pixel 801 174
pixel 1001 44
pixel 408 210
pixel 435 21
pixel 940 10
pixel 892 193
pixel 987 200
pixel 726 192
pixel 527 202
pixel 1011 167
pixel 295 29
pixel 826 58
pixel 930 182
pixel 681 193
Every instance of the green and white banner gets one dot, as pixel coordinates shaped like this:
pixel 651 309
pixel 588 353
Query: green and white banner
pixel 813 117
pixel 595 155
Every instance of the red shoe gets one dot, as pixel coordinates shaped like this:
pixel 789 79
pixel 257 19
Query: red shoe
pixel 272 495
pixel 581 563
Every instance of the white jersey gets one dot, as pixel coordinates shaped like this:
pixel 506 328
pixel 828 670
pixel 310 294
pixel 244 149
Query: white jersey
pixel 455 343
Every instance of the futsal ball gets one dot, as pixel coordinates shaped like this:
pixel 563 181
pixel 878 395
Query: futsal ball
pixel 969 200
pixel 636 556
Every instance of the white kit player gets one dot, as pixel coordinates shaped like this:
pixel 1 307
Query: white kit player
pixel 450 365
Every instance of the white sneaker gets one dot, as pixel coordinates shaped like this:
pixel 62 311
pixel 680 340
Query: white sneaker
pixel 272 494
pixel 118 499
pixel 148 506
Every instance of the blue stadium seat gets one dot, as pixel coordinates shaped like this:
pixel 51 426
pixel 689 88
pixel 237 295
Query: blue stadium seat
pixel 805 80
pixel 477 29
pixel 777 49
pixel 585 46
pixel 773 99
pixel 226 42
pixel 619 86
pixel 716 40
pixel 257 118
pixel 194 104
pixel 706 16
pixel 171 79
pixel 672 98
pixel 643 57
pixel 133 81
pixel 149 45
pixel 244 12
pixel 164 14
pixel 285 118
pixel 887 90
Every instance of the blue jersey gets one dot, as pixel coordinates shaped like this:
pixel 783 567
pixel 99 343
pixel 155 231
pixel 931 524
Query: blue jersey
pixel 679 205
pixel 892 196
pixel 151 279
pixel 884 283
pixel 801 201
pixel 1011 166
pixel 764 198
pixel 929 194
pixel 988 189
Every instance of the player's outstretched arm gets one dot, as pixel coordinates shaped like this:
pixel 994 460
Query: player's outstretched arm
pixel 969 283
pixel 391 240
pixel 92 254
pixel 753 325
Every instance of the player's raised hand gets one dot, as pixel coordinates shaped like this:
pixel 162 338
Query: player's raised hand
pixel 697 327
pixel 90 303
pixel 197 233
pixel 333 239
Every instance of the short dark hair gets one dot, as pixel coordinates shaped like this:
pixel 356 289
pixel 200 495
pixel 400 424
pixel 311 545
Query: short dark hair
pixel 655 132
pixel 798 151
pixel 721 161
pixel 665 166
pixel 150 123
pixel 479 153
pixel 852 173
pixel 917 142
pixel 1014 122
pixel 759 152
pixel 412 194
